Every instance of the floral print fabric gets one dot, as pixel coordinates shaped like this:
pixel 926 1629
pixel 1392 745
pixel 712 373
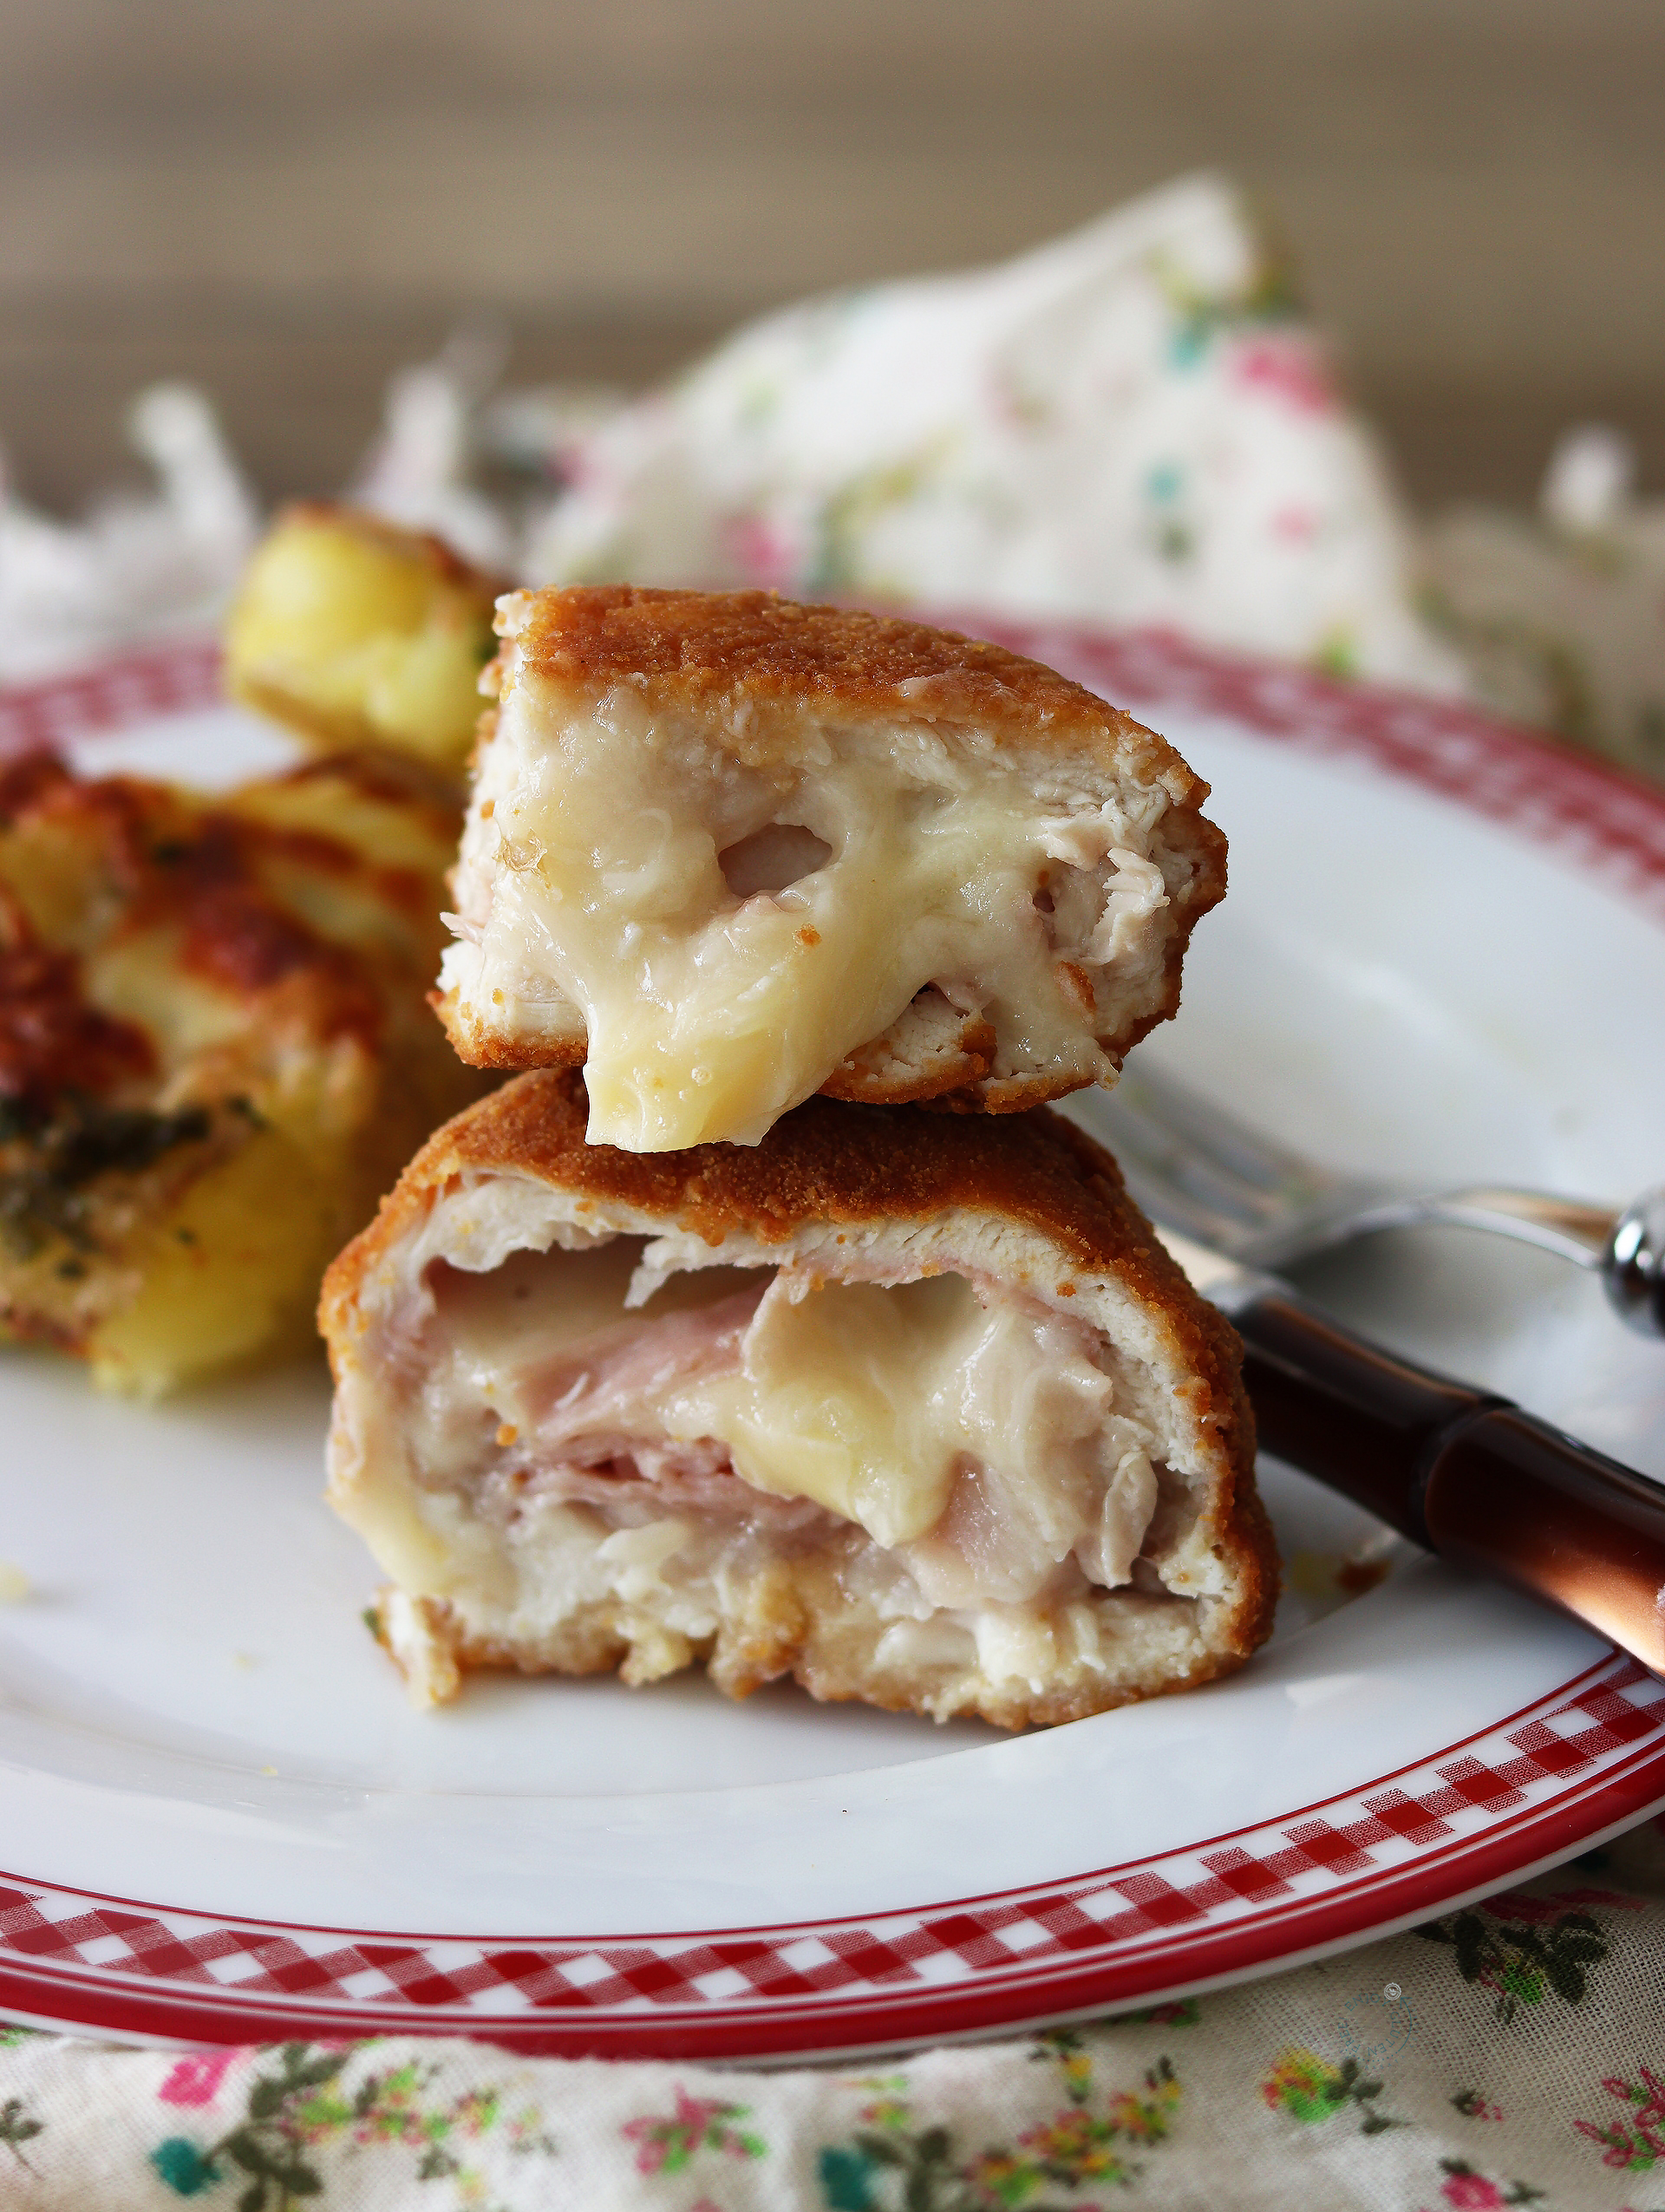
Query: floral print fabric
pixel 1136 424
pixel 1511 2052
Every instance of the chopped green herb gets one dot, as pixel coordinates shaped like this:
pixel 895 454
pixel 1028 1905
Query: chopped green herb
pixel 42 1197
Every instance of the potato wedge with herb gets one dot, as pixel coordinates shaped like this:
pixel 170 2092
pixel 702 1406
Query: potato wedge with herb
pixel 354 632
pixel 215 1051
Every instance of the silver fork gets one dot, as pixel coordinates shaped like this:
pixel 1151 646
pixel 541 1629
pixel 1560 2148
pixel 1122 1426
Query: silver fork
pixel 1195 1168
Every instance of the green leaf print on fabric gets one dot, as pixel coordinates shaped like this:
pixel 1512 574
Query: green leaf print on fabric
pixel 304 2108
pixel 268 2145
pixel 1066 2048
pixel 1635 2142
pixel 1179 2012
pixel 1524 1950
pixel 185 2166
pixel 1309 2090
pixel 1202 314
pixel 665 2143
pixel 893 2165
pixel 890 2108
pixel 845 519
pixel 17 2126
pixel 1473 2106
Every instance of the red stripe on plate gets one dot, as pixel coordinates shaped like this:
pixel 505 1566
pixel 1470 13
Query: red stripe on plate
pixel 1586 1760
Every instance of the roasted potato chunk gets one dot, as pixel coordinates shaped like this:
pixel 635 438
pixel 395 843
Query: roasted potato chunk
pixel 353 632
pixel 215 1050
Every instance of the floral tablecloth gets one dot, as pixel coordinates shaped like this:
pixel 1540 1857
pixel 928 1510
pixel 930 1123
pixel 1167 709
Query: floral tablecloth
pixel 1511 2052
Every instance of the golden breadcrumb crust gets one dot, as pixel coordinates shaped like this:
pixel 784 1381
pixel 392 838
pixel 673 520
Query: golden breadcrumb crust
pixel 703 647
pixel 948 1075
pixel 856 1166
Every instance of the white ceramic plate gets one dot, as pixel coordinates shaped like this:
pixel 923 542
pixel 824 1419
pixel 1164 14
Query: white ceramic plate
pixel 1442 955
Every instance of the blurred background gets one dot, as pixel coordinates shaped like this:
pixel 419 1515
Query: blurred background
pixel 1437 256
pixel 284 200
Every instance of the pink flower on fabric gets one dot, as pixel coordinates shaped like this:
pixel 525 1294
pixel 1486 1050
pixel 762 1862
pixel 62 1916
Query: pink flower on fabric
pixel 1653 2108
pixel 196 2080
pixel 670 2143
pixel 1291 369
pixel 666 2143
pixel 1296 524
pixel 761 550
pixel 1472 2192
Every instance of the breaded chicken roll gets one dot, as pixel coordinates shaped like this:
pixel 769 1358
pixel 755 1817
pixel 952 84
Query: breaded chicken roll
pixel 731 851
pixel 938 1425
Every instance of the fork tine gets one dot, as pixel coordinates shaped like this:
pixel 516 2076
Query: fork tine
pixel 1199 1168
pixel 1170 1120
pixel 1194 1167
pixel 1165 1179
pixel 1205 1130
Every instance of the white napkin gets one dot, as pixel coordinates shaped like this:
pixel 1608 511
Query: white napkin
pixel 139 568
pixel 1561 616
pixel 1134 424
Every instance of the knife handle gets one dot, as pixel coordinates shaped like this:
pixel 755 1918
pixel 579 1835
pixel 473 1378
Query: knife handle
pixel 1460 1472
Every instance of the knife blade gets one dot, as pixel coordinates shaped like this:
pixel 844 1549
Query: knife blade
pixel 1462 1471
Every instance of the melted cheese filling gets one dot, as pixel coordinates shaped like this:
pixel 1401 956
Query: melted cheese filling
pixel 975 1438
pixel 593 870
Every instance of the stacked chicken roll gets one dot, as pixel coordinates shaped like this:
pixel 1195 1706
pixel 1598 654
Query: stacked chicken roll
pixel 768 1320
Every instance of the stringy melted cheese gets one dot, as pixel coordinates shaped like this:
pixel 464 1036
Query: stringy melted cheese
pixel 948 1429
pixel 592 871
pixel 869 1400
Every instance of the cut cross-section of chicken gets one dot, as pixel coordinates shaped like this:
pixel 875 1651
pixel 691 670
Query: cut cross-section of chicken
pixel 728 851
pixel 934 1427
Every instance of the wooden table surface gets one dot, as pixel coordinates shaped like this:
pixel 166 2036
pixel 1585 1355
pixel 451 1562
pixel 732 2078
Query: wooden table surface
pixel 285 202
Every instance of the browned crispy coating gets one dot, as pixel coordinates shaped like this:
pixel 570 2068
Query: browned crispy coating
pixel 700 646
pixel 820 1162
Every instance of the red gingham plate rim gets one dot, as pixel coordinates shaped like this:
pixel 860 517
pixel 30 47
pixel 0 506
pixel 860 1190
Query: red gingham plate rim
pixel 1610 825
pixel 115 2002
pixel 1605 1665
pixel 127 2011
